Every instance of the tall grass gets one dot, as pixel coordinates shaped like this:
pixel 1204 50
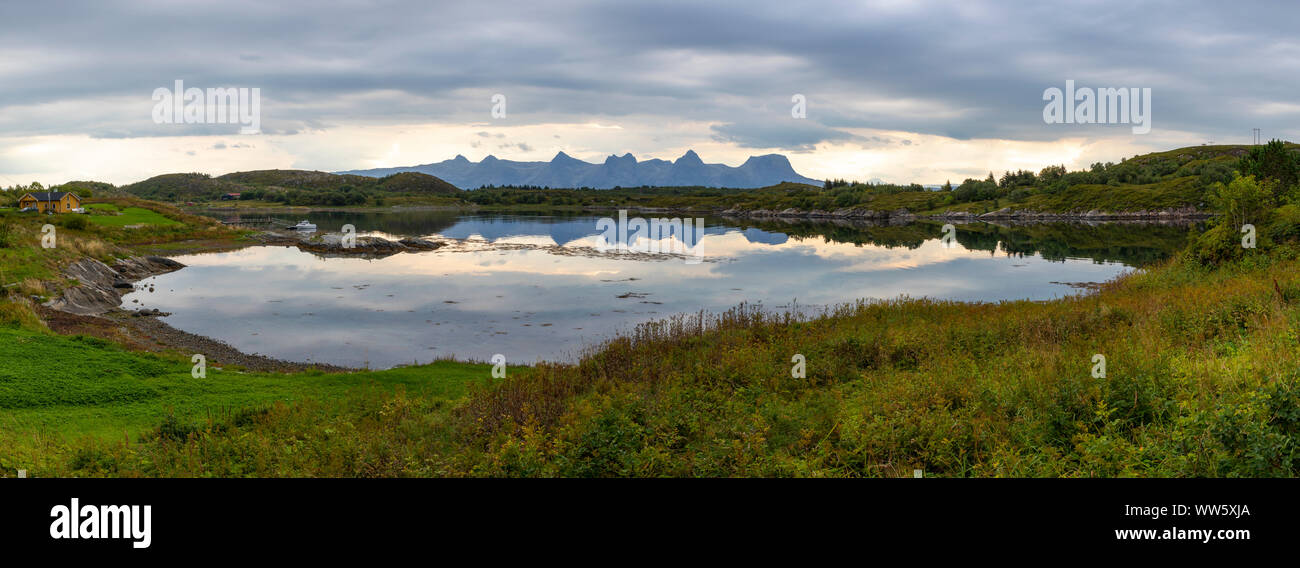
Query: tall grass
pixel 19 313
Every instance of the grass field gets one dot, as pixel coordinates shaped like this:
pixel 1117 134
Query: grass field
pixel 129 216
pixel 57 390
pixel 80 385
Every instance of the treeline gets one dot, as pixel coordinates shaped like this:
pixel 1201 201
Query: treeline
pixel 343 196
pixel 880 188
pixel 9 196
pixel 1208 165
pixel 1019 185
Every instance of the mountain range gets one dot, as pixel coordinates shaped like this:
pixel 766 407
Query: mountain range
pixel 564 171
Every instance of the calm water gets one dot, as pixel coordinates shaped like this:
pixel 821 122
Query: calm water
pixel 521 287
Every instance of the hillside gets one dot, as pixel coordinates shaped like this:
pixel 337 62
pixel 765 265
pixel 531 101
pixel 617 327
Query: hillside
pixel 294 187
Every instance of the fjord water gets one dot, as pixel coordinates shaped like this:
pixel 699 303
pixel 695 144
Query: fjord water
pixel 529 287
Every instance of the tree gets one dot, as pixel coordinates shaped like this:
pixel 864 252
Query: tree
pixel 1051 174
pixel 1242 201
pixel 1272 162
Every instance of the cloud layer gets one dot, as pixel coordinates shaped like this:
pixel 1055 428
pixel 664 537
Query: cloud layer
pixel 651 77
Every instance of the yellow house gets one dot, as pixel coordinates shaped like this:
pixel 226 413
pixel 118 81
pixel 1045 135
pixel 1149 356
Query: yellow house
pixel 56 201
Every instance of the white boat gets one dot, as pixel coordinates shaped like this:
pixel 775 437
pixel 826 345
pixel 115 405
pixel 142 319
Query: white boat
pixel 304 225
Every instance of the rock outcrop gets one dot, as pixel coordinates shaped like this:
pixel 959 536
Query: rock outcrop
pixel 371 247
pixel 100 287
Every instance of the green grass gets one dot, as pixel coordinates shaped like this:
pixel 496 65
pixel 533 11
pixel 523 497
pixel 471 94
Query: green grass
pixel 75 386
pixel 129 216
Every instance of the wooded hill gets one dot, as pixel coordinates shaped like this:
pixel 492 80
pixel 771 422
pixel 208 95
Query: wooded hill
pixel 292 187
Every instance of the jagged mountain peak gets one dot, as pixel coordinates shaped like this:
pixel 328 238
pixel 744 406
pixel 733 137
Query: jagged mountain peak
pixel 562 158
pixel 616 171
pixel 690 158
pixel 625 159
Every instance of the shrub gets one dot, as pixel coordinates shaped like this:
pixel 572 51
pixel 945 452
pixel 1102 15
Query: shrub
pixel 31 287
pixel 1285 224
pixel 18 313
pixel 75 222
pixel 8 234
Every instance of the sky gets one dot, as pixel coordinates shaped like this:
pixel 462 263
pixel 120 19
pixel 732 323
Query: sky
pixel 895 91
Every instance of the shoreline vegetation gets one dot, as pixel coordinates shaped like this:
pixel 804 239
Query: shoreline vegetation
pixel 1201 373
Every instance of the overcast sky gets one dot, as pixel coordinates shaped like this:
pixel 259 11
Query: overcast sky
pixel 897 91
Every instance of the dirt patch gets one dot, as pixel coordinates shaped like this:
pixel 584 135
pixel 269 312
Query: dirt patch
pixel 152 335
pixel 65 323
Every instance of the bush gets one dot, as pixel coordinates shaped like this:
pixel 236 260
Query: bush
pixel 1241 202
pixel 1285 224
pixel 1220 244
pixel 1259 433
pixel 75 222
pixel 8 234
pixel 18 313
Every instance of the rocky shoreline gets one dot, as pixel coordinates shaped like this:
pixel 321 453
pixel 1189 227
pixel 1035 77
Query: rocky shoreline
pixel 100 287
pixel 95 303
pixel 215 351
pixel 905 216
pixel 332 245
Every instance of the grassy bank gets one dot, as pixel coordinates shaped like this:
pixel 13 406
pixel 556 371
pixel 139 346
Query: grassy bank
pixel 113 228
pixel 59 392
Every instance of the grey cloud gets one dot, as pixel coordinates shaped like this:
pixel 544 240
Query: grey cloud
pixel 521 146
pixel 967 70
pixel 795 135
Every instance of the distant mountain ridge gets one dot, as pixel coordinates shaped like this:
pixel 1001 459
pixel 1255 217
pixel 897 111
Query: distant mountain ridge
pixel 564 171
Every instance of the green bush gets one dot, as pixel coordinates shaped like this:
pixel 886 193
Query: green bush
pixel 1219 244
pixel 1285 224
pixel 8 234
pixel 75 222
